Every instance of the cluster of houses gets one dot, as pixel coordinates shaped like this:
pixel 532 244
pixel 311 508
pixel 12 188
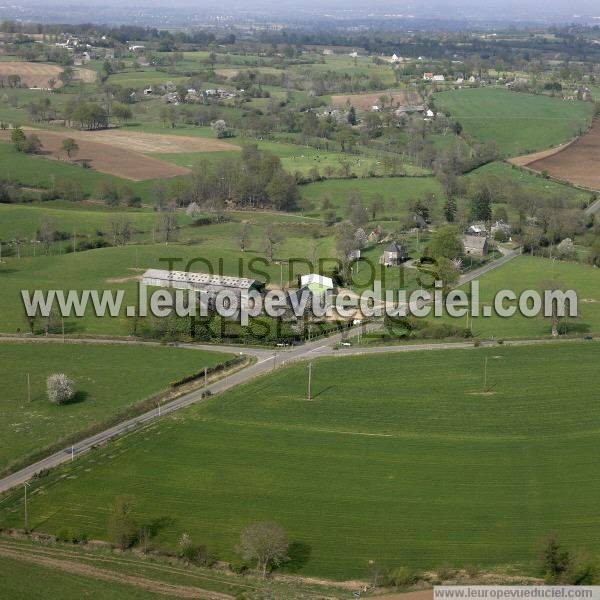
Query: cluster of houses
pixel 477 238
pixel 84 50
pixel 170 96
pixel 433 77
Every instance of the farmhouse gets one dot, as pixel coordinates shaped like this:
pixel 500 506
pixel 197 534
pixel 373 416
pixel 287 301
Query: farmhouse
pixel 200 282
pixel 395 254
pixel 475 245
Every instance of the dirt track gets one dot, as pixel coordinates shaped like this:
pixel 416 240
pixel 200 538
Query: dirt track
pixel 38 74
pixel 106 157
pixel 577 162
pixel 81 569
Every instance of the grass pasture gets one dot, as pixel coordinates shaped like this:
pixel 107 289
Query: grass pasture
pixel 397 194
pixel 108 380
pixel 546 188
pixel 531 273
pixel 294 157
pixel 519 123
pixel 430 470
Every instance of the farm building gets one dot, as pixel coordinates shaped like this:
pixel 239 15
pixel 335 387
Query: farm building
pixel 475 245
pixel 316 283
pixel 200 282
pixel 477 229
pixel 395 254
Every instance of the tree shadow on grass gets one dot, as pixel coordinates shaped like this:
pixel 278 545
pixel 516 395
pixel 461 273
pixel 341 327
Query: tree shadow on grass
pixel 299 554
pixel 78 397
pixel 156 525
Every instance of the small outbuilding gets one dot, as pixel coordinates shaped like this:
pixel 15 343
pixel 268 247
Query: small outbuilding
pixel 317 284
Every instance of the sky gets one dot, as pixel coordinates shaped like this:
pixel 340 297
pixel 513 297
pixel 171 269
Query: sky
pixel 138 11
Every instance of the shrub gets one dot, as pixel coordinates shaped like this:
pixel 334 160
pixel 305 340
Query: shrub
pixel 60 388
pixel 446 572
pixel 402 576
pixel 122 526
pixel 196 554
pixel 238 566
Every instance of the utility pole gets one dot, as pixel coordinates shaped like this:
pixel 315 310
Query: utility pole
pixel 310 381
pixel 63 328
pixel 25 486
pixel 72 452
pixel 485 386
pixel 28 389
pixel 274 360
pixel 205 378
pixel 158 404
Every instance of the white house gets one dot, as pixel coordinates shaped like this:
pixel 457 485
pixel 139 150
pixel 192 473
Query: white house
pixel 438 78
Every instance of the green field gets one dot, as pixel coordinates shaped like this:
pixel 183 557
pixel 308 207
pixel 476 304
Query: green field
pixel 519 123
pixel 24 220
pixel 294 158
pixel 429 470
pixel 531 273
pixel 397 194
pixel 108 380
pixel 24 580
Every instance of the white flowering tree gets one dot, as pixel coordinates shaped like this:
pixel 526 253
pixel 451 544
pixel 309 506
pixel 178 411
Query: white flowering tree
pixel 60 388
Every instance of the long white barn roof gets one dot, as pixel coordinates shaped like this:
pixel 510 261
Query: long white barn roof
pixel 187 280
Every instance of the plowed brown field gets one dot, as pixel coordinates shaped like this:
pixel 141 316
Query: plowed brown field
pixel 577 163
pixel 366 101
pixel 106 157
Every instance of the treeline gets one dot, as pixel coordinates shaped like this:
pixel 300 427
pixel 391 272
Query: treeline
pixel 254 180
pixel 122 34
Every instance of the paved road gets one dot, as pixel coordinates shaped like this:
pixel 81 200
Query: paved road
pixel 265 360
pixel 593 209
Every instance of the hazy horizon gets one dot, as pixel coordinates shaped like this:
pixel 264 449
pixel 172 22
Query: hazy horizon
pixel 153 12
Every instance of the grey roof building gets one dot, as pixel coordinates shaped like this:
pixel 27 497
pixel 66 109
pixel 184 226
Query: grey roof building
pixel 201 282
pixel 475 245
pixel 395 254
